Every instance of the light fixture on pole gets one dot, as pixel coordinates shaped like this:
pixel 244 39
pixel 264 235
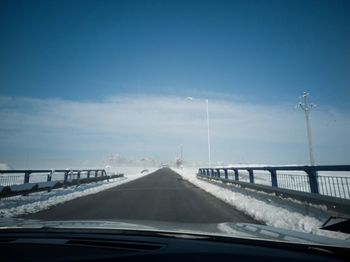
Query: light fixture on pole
pixel 306 107
pixel 208 127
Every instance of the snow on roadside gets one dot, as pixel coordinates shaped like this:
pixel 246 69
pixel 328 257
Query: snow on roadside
pixel 32 203
pixel 268 213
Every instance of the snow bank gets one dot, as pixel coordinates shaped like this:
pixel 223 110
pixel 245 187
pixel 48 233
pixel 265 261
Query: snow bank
pixel 32 203
pixel 268 213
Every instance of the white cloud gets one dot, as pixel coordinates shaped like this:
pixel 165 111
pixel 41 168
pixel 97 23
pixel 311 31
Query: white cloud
pixel 241 131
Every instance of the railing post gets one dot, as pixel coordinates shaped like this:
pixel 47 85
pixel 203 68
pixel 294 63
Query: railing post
pixel 312 173
pixel 212 172
pixel 236 174
pixel 218 173
pixel 78 175
pixel 226 174
pixel 95 173
pixel 49 176
pixel 273 177
pixel 26 177
pixel 251 175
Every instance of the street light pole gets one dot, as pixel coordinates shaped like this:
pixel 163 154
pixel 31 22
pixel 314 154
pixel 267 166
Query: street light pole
pixel 208 128
pixel 306 107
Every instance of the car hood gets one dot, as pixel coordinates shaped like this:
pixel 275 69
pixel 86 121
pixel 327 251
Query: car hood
pixel 233 230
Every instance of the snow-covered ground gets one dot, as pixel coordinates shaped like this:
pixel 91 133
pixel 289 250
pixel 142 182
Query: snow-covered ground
pixel 270 213
pixel 20 205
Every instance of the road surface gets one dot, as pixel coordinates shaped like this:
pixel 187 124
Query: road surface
pixel 161 196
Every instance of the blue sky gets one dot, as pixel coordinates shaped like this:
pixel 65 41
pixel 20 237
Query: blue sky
pixel 260 52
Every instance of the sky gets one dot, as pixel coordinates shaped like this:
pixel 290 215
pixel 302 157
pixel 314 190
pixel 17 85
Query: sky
pixel 81 80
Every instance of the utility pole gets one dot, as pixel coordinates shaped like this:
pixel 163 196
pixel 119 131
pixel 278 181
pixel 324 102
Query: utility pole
pixel 306 107
pixel 181 153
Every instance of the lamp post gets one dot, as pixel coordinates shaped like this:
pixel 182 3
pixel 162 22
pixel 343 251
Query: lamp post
pixel 208 128
pixel 306 107
pixel 179 160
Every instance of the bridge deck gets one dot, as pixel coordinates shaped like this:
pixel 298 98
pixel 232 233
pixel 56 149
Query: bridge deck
pixel 161 196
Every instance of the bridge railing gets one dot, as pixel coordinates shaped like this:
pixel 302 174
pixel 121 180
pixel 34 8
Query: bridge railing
pixel 331 180
pixel 17 177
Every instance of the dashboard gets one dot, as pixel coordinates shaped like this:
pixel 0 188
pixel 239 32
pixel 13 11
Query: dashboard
pixel 124 245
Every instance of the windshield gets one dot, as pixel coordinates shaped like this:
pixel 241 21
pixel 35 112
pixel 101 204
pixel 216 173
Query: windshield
pixel 215 117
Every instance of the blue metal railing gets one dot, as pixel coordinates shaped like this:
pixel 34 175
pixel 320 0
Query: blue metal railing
pixel 325 180
pixel 16 177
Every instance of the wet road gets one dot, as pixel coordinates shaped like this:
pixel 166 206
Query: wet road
pixel 160 196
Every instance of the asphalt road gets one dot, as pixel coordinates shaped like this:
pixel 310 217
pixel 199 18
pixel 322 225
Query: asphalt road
pixel 161 196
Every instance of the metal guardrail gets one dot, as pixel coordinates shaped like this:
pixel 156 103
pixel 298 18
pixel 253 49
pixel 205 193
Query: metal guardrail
pixel 17 177
pixel 323 180
pixel 33 187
